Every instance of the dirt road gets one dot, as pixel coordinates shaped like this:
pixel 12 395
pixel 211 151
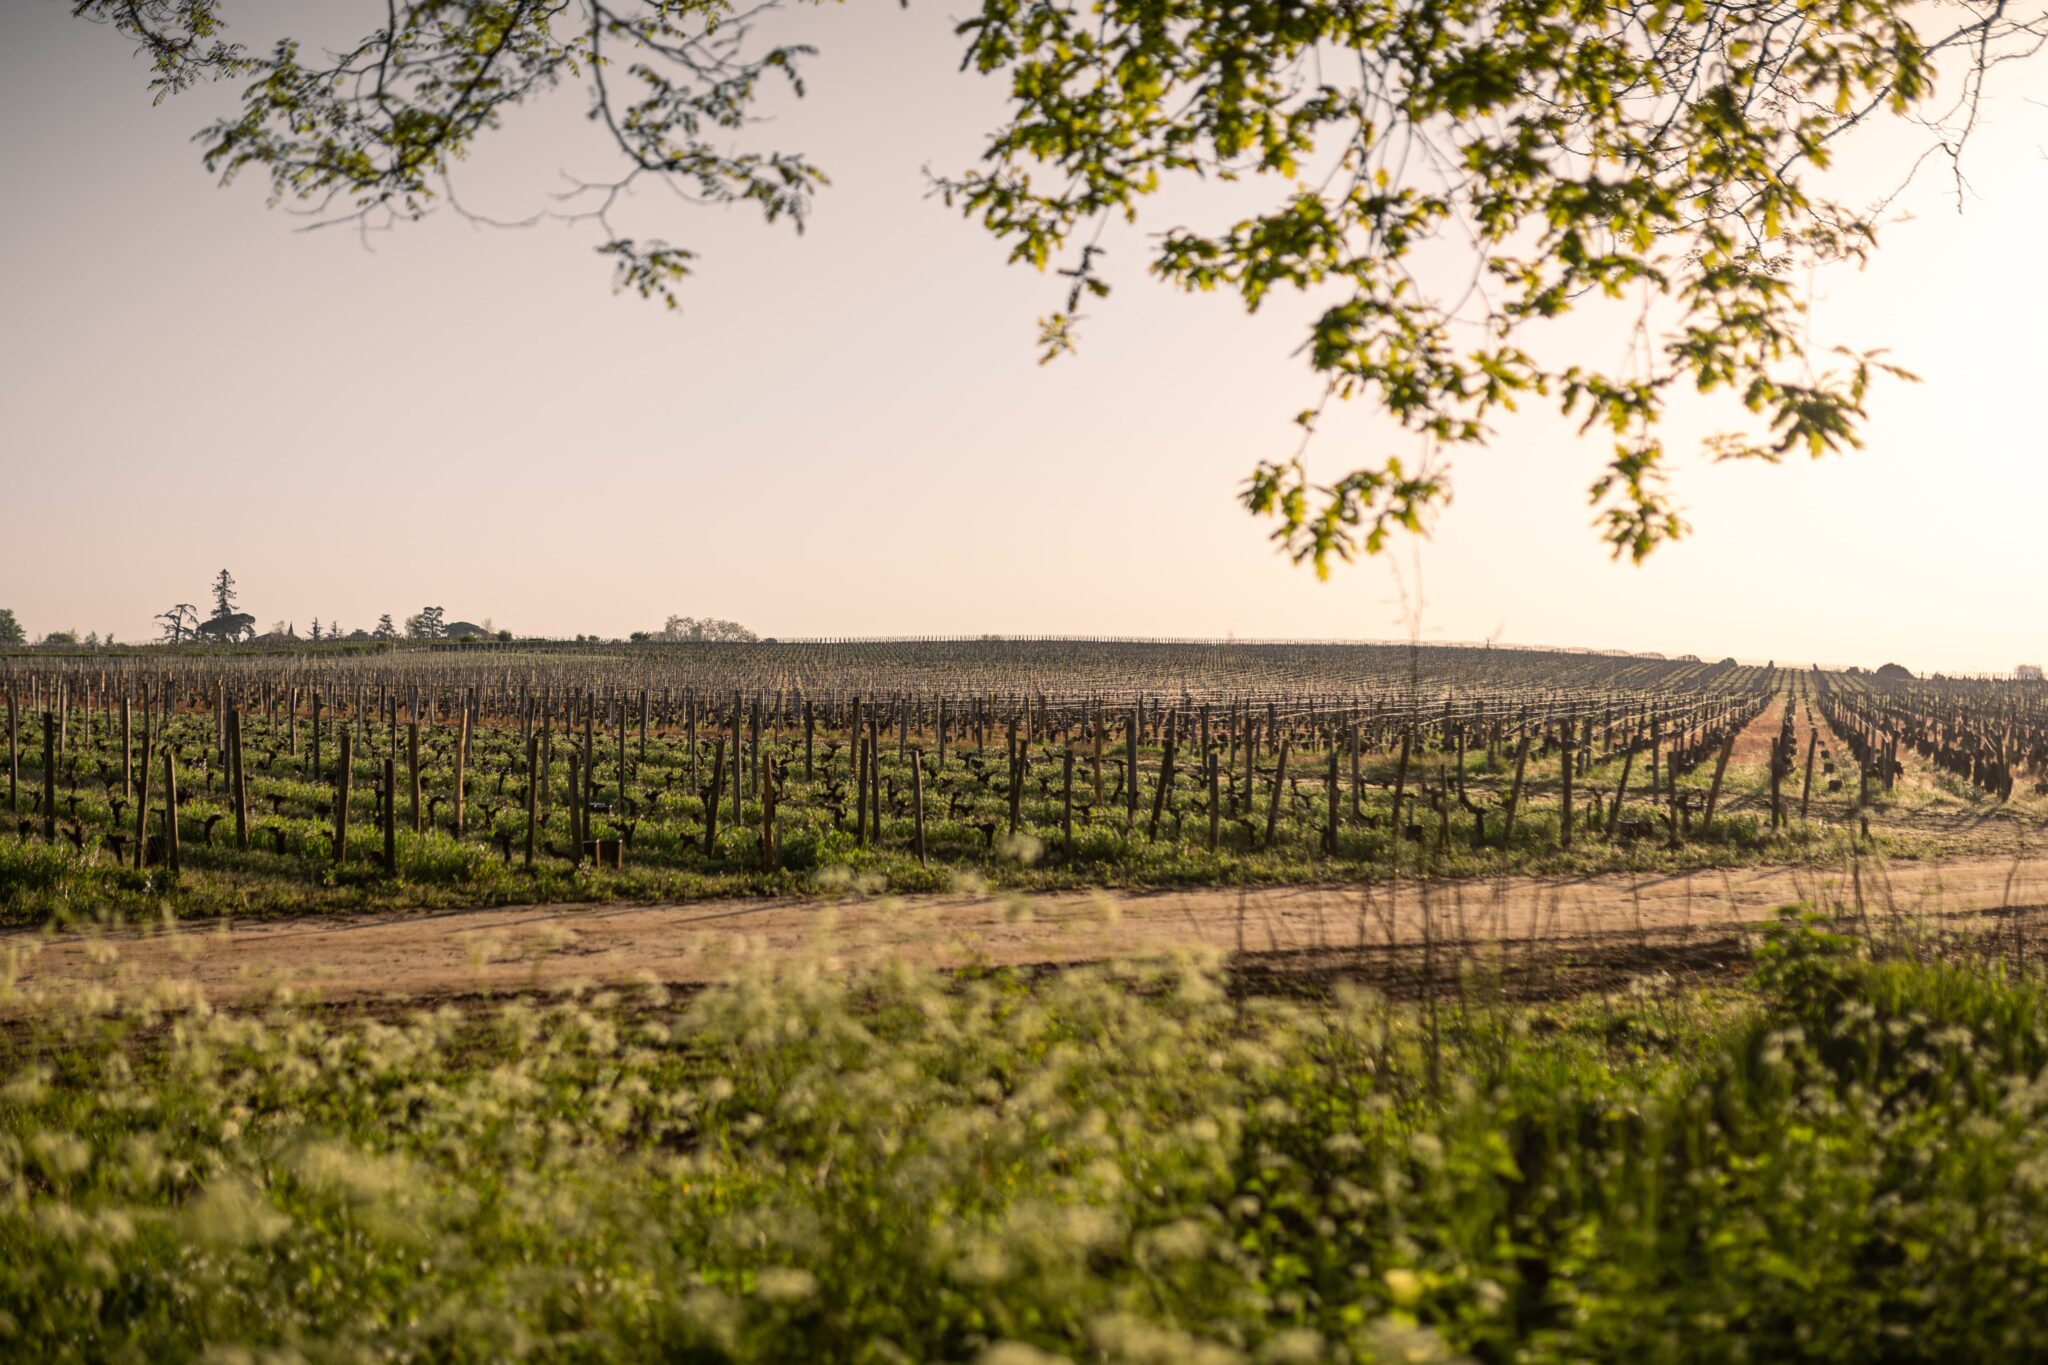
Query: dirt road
pixel 461 953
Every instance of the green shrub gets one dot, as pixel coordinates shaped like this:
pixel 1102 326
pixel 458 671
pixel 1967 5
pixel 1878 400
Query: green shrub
pixel 1117 1164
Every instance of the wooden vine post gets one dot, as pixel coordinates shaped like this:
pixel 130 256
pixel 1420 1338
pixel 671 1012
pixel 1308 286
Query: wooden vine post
pixel 1096 765
pixel 237 779
pixel 579 807
pixel 49 776
pixel 171 808
pixel 461 766
pixel 1165 780
pixel 1628 761
pixel 873 776
pixel 1564 815
pixel 1215 800
pixel 1016 776
pixel 690 734
pixel 1358 795
pixel 1067 799
pixel 739 760
pixel 1131 771
pixel 856 760
pixel 344 782
pixel 1400 786
pixel 587 764
pixel 1507 831
pixel 1806 786
pixel 142 803
pixel 917 799
pixel 1656 745
pixel 390 813
pixel 1783 749
pixel 412 761
pixel 1714 787
pixel 532 797
pixel 860 788
pixel 1330 830
pixel 710 799
pixel 1279 781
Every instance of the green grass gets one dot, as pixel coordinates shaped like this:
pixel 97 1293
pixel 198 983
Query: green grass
pixel 1838 1159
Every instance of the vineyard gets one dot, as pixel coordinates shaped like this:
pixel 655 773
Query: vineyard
pixel 768 1106
pixel 268 783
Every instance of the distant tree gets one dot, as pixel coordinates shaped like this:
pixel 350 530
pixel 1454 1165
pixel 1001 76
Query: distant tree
pixel 61 637
pixel 179 623
pixel 316 628
pixel 92 639
pixel 223 594
pixel 425 624
pixel 227 629
pixel 385 630
pixel 280 629
pixel 1894 673
pixel 680 628
pixel 11 632
pixel 504 637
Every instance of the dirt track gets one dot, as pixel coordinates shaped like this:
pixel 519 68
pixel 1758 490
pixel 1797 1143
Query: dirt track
pixel 463 953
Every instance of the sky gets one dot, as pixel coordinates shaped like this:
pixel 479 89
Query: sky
pixel 847 433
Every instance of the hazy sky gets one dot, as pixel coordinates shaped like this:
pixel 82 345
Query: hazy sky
pixel 846 432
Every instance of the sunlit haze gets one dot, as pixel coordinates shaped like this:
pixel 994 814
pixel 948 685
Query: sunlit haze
pixel 847 433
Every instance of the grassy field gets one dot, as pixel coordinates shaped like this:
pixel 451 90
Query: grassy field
pixel 1836 1156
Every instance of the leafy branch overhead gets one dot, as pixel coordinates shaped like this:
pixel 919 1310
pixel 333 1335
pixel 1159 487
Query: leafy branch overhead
pixel 372 134
pixel 1655 153
pixel 1660 153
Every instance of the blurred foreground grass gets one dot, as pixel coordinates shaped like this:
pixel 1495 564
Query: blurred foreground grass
pixel 1838 1158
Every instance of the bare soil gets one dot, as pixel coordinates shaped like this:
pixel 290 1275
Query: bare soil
pixel 457 954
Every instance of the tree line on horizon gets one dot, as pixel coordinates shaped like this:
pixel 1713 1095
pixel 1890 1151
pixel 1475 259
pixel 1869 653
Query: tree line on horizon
pixel 181 624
